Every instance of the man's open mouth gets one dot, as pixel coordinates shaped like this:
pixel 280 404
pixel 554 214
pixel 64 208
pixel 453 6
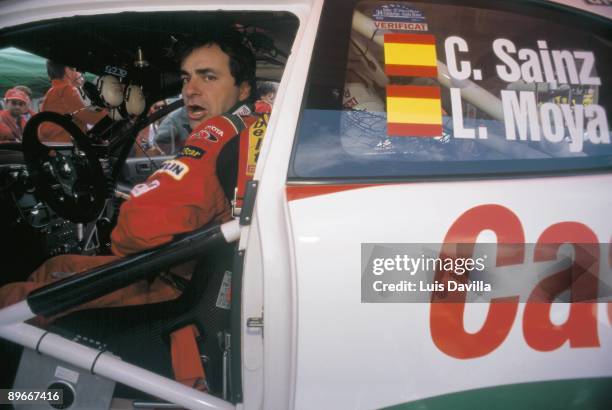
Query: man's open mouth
pixel 196 112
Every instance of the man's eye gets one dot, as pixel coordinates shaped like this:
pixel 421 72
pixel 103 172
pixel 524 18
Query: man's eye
pixel 210 77
pixel 184 80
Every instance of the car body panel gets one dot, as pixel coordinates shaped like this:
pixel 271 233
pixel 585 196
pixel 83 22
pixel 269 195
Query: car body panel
pixel 388 354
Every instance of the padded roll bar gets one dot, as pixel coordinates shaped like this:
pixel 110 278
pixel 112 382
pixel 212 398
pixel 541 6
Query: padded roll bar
pixel 75 290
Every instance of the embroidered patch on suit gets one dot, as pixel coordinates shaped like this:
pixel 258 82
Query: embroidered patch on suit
pixel 191 152
pixel 175 168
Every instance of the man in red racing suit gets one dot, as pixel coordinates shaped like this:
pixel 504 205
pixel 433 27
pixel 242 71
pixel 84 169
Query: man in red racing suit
pixel 185 193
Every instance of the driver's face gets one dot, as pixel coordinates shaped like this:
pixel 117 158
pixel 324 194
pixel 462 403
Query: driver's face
pixel 209 89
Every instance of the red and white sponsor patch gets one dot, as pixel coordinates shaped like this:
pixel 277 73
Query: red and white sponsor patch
pixel 214 130
pixel 144 188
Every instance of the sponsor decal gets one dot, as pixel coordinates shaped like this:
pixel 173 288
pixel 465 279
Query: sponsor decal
pixel 191 152
pixel 214 129
pixel 256 135
pixel 116 71
pixel 585 280
pixel 176 169
pixel 399 17
pixel 140 189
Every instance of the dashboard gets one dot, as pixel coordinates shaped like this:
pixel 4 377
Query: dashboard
pixel 33 232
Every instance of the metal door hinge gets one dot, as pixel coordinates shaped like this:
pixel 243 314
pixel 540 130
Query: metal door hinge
pixel 255 322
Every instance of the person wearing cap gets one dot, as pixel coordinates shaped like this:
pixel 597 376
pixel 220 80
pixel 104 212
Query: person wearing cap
pixel 27 111
pixel 12 121
pixel 64 98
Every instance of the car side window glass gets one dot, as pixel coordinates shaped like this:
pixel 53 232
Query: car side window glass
pixel 427 89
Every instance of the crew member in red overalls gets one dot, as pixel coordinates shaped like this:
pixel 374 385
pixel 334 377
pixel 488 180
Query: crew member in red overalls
pixel 64 98
pixel 12 121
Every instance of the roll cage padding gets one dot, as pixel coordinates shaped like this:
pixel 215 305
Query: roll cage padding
pixel 58 297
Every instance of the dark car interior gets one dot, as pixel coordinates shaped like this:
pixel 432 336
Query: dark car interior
pixel 64 198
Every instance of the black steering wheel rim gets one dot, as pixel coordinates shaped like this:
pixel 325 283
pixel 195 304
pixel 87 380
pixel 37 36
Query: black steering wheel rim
pixel 73 186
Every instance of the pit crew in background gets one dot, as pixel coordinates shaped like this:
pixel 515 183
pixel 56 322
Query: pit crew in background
pixel 64 97
pixel 27 110
pixel 185 193
pixel 12 121
pixel 267 94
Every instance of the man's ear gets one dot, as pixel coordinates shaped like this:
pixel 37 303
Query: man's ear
pixel 244 91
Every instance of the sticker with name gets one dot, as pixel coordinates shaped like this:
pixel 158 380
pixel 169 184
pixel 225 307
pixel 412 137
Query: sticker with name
pixel 551 96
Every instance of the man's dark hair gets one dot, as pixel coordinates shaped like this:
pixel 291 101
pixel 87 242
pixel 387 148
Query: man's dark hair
pixel 231 42
pixel 55 71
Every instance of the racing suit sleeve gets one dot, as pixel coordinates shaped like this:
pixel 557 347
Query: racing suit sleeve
pixel 183 195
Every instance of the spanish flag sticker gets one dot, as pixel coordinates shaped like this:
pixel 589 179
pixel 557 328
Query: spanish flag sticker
pixel 410 55
pixel 414 111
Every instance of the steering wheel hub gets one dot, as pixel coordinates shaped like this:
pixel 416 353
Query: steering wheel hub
pixel 73 185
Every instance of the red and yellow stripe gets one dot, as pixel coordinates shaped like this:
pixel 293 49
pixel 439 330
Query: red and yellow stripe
pixel 410 55
pixel 414 111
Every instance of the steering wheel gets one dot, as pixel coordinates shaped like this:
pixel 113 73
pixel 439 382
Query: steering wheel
pixel 72 185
